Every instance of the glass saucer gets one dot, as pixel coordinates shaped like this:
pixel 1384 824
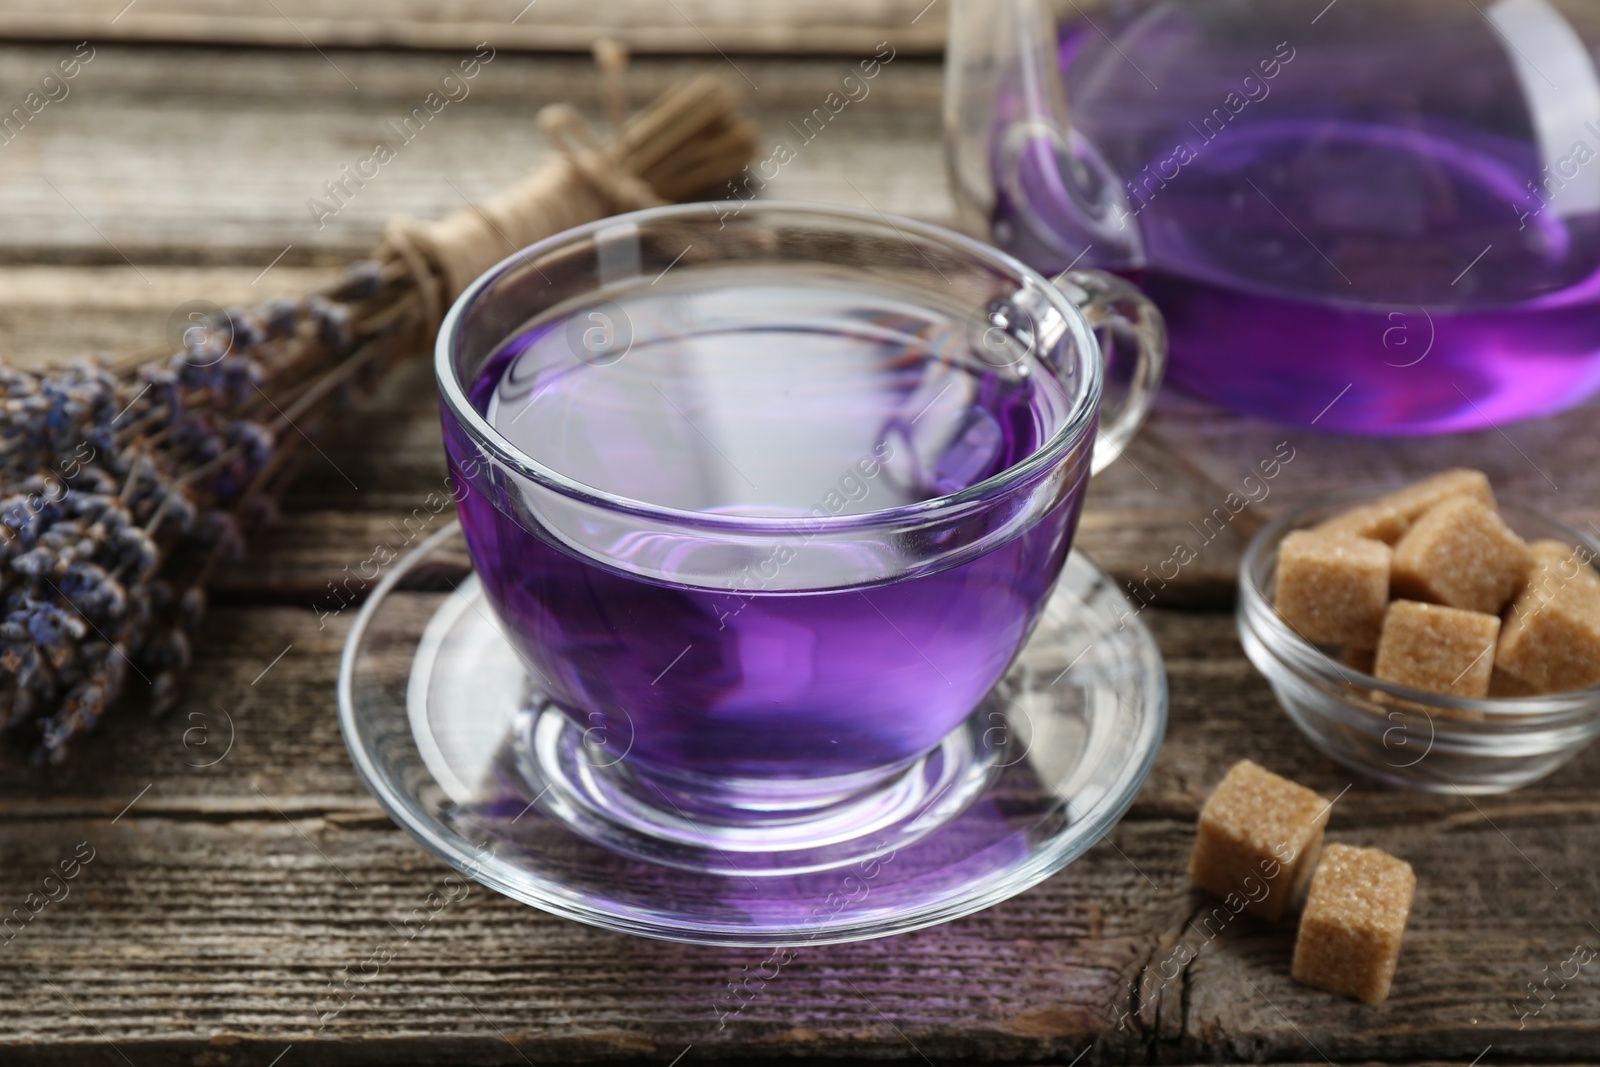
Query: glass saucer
pixel 437 712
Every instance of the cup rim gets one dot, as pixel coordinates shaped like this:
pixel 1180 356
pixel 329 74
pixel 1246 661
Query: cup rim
pixel 1256 607
pixel 1078 423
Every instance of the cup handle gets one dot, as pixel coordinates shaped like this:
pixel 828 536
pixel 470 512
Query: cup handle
pixel 1121 317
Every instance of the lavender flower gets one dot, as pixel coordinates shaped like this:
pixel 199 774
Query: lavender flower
pixel 118 492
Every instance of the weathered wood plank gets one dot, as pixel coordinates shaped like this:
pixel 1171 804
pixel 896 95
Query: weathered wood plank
pixel 204 892
pixel 201 922
pixel 1552 464
pixel 184 157
pixel 240 927
pixel 696 26
pixel 60 313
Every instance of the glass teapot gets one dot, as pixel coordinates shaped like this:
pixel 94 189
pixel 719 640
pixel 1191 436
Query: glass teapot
pixel 1375 216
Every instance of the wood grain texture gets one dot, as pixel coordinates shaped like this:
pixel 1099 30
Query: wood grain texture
pixel 185 156
pixel 61 313
pixel 222 902
pixel 227 897
pixel 695 26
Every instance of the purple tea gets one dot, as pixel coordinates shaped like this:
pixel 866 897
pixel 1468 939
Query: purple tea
pixel 741 393
pixel 1246 296
pixel 1380 218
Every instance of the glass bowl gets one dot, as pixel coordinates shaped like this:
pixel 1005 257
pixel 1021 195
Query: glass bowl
pixel 1404 736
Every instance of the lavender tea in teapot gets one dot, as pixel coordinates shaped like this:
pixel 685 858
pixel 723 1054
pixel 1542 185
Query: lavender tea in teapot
pixel 1379 218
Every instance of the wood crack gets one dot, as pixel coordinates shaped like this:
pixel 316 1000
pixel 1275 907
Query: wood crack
pixel 352 815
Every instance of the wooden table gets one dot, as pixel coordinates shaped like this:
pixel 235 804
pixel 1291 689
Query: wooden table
pixel 225 893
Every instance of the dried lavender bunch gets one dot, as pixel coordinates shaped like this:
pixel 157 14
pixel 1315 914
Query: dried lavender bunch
pixel 122 490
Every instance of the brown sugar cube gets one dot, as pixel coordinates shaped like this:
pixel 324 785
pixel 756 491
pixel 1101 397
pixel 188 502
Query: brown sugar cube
pixel 1443 650
pixel 1547 549
pixel 1460 554
pixel 1353 923
pixel 1566 562
pixel 1557 565
pixel 1332 588
pixel 1421 497
pixel 1551 638
pixel 1387 518
pixel 1378 522
pixel 1258 839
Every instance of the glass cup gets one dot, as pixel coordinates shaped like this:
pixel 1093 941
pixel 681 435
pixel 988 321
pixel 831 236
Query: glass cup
pixel 768 497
